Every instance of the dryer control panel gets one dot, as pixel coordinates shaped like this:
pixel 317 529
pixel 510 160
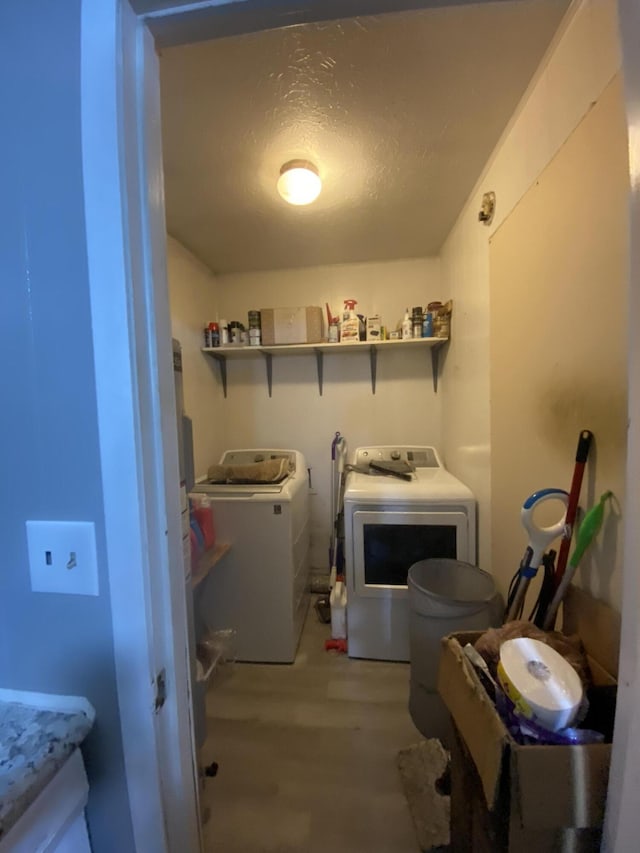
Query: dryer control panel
pixel 417 457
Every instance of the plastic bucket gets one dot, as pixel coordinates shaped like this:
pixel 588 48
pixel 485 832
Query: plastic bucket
pixel 444 596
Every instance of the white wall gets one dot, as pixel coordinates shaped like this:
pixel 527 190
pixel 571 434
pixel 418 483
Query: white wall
pixel 193 294
pixel 404 409
pixel 583 59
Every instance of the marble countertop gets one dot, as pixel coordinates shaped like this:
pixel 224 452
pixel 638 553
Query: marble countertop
pixel 35 741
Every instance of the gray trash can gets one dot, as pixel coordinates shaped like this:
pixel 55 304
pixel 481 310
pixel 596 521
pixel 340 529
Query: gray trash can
pixel 444 596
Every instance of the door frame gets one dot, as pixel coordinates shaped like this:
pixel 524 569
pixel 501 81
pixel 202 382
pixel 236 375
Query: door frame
pixel 621 819
pixel 126 245
pixel 126 254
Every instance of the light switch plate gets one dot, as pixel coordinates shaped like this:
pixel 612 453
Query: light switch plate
pixel 62 557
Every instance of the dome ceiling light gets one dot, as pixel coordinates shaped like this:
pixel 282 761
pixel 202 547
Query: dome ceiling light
pixel 299 182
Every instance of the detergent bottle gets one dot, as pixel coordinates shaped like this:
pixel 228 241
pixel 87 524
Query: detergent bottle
pixel 350 325
pixel 338 604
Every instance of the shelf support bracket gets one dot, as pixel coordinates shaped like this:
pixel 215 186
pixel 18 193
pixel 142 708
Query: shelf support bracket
pixel 222 364
pixel 434 367
pixel 373 359
pixel 320 368
pixel 269 364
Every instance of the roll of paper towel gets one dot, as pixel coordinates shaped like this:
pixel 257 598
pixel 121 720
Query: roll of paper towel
pixel 539 681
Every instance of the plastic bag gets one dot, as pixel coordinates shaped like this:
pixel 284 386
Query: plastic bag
pixel 527 732
pixel 215 650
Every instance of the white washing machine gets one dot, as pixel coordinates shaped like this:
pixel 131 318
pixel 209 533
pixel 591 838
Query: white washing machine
pixel 389 524
pixel 261 587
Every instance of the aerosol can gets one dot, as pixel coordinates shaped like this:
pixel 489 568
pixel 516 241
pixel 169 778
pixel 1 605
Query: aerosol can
pixel 407 326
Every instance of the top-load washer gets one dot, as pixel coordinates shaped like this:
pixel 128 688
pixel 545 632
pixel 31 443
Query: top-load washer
pixel 390 522
pixel 261 587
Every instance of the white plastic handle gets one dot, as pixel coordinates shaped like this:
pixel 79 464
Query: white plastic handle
pixel 541 537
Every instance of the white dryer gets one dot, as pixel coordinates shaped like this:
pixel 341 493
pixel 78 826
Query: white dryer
pixel 261 587
pixel 389 524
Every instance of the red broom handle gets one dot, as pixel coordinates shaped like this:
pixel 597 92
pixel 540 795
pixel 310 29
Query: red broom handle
pixel 582 452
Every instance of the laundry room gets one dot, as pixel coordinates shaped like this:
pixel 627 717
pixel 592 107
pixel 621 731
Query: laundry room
pixel 263 671
pixel 390 236
pixel 472 170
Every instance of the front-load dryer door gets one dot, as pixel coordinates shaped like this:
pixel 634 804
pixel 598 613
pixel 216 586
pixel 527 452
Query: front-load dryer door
pixel 387 543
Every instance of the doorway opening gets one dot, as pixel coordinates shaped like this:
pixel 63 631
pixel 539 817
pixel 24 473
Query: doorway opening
pixel 158 343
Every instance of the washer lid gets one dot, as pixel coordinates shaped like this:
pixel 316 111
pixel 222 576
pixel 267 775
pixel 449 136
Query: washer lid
pixel 251 456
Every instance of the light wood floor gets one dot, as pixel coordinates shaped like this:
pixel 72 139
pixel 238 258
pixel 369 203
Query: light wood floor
pixel 307 755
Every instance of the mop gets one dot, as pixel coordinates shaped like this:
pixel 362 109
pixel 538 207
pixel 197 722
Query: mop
pixel 587 532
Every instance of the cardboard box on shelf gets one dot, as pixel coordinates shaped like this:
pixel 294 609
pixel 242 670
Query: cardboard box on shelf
pixel 374 328
pixel 509 797
pixel 291 326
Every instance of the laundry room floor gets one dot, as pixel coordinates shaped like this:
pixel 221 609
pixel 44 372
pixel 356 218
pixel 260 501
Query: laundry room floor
pixel 307 755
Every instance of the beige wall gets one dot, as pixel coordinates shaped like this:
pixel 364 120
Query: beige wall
pixel 404 409
pixel 193 296
pixel 558 339
pixel 581 62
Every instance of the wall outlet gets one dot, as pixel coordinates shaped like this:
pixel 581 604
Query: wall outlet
pixel 62 557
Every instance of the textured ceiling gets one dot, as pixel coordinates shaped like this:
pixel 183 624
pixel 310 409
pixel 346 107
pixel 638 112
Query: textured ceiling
pixel 399 112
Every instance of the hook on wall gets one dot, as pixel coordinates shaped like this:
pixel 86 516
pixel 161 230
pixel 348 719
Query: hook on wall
pixel 488 208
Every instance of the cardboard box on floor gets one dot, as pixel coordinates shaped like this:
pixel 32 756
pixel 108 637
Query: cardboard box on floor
pixel 508 797
pixel 291 326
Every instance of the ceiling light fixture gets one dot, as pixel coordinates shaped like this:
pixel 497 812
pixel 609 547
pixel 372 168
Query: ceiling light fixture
pixel 299 182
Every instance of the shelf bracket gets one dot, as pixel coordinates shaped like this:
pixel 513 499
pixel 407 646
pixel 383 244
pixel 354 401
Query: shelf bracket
pixel 320 367
pixel 269 364
pixel 434 367
pixel 222 364
pixel 373 359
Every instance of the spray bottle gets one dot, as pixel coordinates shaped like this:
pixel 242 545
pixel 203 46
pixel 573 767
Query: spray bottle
pixel 407 326
pixel 350 326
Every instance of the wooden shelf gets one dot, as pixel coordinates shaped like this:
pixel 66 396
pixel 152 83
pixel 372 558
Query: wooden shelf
pixel 221 354
pixel 207 561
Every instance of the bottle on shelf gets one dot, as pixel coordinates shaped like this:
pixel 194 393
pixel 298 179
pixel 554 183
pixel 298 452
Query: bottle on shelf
pixel 433 308
pixel 416 320
pixel 236 329
pixel 350 326
pixel 407 326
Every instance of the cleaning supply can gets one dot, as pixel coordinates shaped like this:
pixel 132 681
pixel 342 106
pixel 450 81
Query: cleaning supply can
pixel 407 326
pixel 433 308
pixel 338 604
pixel 416 320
